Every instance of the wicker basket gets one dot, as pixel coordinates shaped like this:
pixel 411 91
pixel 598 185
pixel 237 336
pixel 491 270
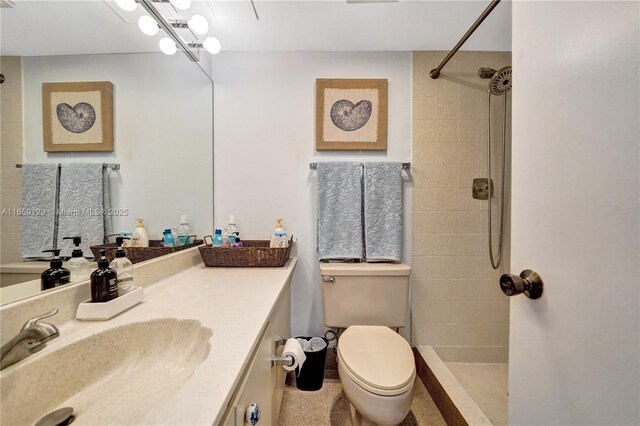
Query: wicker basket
pixel 140 254
pixel 253 253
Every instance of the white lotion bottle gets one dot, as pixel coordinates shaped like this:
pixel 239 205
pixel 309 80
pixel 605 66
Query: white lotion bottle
pixel 275 237
pixel 139 237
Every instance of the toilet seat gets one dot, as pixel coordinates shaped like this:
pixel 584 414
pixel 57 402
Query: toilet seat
pixel 377 359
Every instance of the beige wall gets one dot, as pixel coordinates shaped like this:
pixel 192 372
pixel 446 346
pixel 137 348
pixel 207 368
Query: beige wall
pixel 457 304
pixel 11 143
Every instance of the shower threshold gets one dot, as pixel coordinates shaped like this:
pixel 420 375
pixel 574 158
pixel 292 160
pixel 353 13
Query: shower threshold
pixel 471 393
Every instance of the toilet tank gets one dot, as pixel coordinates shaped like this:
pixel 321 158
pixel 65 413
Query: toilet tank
pixel 365 294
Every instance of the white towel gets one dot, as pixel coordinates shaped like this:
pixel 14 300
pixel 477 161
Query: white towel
pixel 84 200
pixel 340 211
pixel 39 196
pixel 383 211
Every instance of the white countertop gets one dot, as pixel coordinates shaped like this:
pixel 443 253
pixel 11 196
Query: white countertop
pixel 234 303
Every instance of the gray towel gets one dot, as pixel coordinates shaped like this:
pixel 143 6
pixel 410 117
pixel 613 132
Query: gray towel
pixel 340 211
pixel 84 199
pixel 39 196
pixel 383 211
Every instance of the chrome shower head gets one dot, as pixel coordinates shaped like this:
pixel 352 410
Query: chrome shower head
pixel 501 82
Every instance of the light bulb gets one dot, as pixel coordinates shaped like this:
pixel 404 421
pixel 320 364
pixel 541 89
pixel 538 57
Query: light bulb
pixel 198 24
pixel 212 45
pixel 128 5
pixel 181 4
pixel 148 25
pixel 167 46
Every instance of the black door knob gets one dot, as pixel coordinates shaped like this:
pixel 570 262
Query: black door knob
pixel 528 282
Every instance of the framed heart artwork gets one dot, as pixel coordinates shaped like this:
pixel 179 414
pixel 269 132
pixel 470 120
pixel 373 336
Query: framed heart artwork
pixel 77 116
pixel 351 114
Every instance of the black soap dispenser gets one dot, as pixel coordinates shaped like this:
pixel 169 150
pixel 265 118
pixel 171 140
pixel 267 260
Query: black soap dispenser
pixel 104 281
pixel 56 275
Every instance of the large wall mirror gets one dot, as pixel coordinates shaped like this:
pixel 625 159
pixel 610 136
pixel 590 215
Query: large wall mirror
pixel 162 122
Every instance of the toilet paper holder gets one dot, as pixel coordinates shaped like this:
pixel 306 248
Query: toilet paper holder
pixel 281 360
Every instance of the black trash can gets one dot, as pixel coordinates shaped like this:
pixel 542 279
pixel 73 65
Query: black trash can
pixel 310 377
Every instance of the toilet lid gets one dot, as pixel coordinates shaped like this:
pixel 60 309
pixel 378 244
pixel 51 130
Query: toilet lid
pixel 377 357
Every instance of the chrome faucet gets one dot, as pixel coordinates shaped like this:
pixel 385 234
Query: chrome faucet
pixel 33 337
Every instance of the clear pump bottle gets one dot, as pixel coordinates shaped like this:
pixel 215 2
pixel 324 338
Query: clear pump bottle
pixel 79 267
pixel 123 267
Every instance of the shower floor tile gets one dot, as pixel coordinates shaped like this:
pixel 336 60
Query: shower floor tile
pixel 487 384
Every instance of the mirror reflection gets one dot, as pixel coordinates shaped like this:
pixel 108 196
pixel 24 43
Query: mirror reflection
pixel 98 128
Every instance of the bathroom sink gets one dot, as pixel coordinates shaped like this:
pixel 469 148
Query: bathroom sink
pixel 113 377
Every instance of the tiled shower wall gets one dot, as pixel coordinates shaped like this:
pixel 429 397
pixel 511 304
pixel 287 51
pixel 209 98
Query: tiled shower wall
pixel 458 307
pixel 11 151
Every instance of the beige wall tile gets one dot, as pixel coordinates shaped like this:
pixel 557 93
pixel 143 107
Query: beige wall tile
pixel 440 312
pixel 423 199
pixel 446 108
pixel 445 244
pixel 424 107
pixel 469 131
pixel 424 155
pixel 11 198
pixel 446 154
pixel 424 131
pixel 10 242
pixel 469 245
pixel 423 176
pixel 469 154
pixel 468 289
pixel 9 258
pixel 10 177
pixel 466 202
pixel 423 244
pixel 458 296
pixel 467 312
pixel 10 223
pixel 422 222
pixel 445 199
pixel 468 222
pixel 494 312
pixel 444 267
pixel 422 267
pixel 466 175
pixel 446 131
pixel 444 223
pixel 446 176
pixel 468 267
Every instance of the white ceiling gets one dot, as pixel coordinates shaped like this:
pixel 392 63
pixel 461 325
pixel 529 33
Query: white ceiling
pixel 92 26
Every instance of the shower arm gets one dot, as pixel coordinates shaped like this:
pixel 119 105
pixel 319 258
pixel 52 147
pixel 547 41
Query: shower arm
pixel 435 73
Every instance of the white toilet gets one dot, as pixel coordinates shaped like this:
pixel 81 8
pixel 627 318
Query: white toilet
pixel 375 363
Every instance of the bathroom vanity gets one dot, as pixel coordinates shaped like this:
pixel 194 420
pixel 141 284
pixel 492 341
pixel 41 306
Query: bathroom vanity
pixel 198 350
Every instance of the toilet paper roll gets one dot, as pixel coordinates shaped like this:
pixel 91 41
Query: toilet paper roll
pixel 293 349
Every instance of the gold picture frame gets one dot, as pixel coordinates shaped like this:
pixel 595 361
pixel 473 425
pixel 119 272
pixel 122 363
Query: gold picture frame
pixel 351 114
pixel 77 117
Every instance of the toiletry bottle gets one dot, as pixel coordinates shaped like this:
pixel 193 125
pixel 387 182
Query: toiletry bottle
pixel 104 285
pixel 184 231
pixel 231 228
pixel 167 238
pixel 282 241
pixel 231 241
pixel 279 228
pixel 123 267
pixel 139 237
pixel 78 265
pixel 217 238
pixel 238 242
pixel 127 236
pixel 56 275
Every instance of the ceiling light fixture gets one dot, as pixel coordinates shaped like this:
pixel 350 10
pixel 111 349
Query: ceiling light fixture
pixel 148 25
pixel 168 46
pixel 198 24
pixel 210 44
